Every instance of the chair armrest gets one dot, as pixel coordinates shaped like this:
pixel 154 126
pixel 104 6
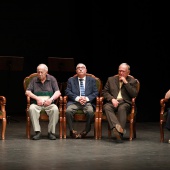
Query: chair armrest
pixel 28 102
pixel 100 113
pixel 101 99
pixel 3 100
pixel 3 104
pixel 133 109
pixel 97 104
pixel 60 105
pixel 65 99
pixel 133 101
pixel 163 102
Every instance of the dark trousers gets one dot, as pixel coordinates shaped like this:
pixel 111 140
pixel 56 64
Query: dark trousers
pixel 168 119
pixel 88 111
pixel 116 115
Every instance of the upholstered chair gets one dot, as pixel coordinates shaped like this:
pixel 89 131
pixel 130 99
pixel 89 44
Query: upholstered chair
pixel 43 115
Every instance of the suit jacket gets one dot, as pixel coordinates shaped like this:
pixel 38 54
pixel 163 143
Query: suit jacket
pixel 73 90
pixel 128 91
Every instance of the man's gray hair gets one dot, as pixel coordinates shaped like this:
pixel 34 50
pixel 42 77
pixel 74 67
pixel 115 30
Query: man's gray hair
pixel 128 66
pixel 81 64
pixel 44 66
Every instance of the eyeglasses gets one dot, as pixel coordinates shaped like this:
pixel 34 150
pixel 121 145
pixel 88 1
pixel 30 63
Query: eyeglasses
pixel 81 68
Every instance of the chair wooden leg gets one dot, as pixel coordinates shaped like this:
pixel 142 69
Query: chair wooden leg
pixel 28 128
pixel 131 130
pixel 61 128
pixel 96 128
pixel 99 128
pixel 3 128
pixel 64 127
pixel 161 131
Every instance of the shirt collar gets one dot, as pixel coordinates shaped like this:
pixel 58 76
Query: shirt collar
pixel 84 78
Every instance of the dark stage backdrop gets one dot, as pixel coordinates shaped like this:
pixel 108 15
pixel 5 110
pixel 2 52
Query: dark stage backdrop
pixel 100 34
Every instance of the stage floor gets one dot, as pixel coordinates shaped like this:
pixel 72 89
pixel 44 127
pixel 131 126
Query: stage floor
pixel 145 152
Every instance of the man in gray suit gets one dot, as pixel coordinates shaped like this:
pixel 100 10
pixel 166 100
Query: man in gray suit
pixel 118 93
pixel 78 99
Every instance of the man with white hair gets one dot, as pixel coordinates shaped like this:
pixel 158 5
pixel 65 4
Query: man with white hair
pixel 43 90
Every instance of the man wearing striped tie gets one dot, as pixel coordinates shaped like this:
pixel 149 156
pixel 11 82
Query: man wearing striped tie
pixel 82 92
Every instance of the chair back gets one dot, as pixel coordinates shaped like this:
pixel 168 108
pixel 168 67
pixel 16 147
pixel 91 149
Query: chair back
pixel 28 79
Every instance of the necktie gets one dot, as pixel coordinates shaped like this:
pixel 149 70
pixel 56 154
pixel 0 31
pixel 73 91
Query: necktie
pixel 82 91
pixel 119 94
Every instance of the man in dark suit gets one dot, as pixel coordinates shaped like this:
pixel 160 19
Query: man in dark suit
pixel 81 99
pixel 118 93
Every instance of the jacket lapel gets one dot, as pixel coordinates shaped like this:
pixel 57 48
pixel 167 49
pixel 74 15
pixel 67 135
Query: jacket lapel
pixel 117 81
pixel 76 83
pixel 87 83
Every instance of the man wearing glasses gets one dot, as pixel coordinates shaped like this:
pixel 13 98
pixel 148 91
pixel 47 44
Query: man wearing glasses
pixel 82 92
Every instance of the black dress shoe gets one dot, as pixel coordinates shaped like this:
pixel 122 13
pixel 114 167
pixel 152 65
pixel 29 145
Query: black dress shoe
pixel 83 134
pixel 37 136
pixel 51 136
pixel 74 134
